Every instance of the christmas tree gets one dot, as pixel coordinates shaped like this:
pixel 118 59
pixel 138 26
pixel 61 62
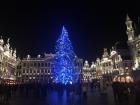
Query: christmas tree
pixel 64 69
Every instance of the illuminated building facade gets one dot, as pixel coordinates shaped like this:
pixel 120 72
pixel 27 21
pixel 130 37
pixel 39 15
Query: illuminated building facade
pixel 112 64
pixel 37 69
pixel 88 72
pixel 40 69
pixel 8 61
pixel 109 65
pixel 133 43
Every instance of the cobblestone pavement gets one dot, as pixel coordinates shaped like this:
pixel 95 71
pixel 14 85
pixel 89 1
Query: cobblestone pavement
pixel 61 98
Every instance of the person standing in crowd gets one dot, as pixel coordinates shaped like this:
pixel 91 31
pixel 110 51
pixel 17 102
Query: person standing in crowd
pixel 91 85
pixel 115 86
pixel 131 93
pixel 125 93
pixel 101 85
pixel 110 94
pixel 84 95
pixel 137 89
pixel 84 88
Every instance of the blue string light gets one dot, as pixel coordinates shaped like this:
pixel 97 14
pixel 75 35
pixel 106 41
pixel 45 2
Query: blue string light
pixel 64 68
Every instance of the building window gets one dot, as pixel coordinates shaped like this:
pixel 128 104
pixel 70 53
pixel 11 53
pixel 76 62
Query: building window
pixel 34 71
pixel 138 52
pixel 52 70
pixel 34 64
pixel 28 65
pixel 27 71
pixel 46 70
pixel 31 64
pixel 49 64
pixel 24 64
pixel 42 71
pixel 46 65
pixel 30 70
pixel 42 64
pixel 38 64
pixel 38 71
pixel 116 66
pixel 49 71
pixel 23 70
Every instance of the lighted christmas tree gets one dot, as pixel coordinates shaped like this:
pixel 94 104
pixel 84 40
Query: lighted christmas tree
pixel 64 69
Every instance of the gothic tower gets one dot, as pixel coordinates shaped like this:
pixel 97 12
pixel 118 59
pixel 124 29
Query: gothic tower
pixel 131 39
pixel 130 30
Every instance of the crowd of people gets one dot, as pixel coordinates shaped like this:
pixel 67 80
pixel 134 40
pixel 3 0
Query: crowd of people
pixel 6 92
pixel 122 93
pixel 34 90
pixel 117 93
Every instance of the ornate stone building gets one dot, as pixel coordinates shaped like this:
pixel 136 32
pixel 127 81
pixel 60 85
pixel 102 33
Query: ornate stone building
pixel 8 61
pixel 133 43
pixel 41 68
pixel 112 64
pixel 88 72
pixel 108 66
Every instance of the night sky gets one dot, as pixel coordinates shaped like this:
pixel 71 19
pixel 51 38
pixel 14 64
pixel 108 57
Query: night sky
pixel 35 26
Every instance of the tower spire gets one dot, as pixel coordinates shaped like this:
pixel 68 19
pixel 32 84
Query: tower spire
pixel 130 30
pixel 127 18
